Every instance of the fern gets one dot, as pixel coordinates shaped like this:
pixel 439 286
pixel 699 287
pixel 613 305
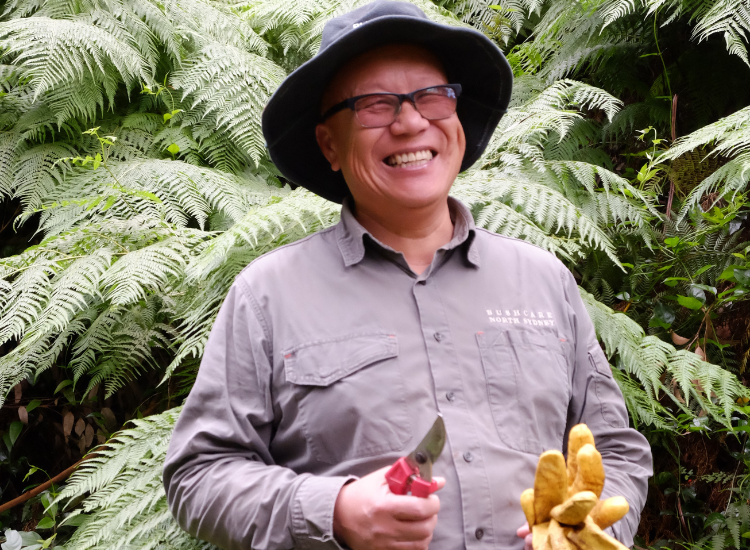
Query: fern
pixel 72 63
pixel 730 18
pixel 127 506
pixel 728 137
pixel 647 359
pixel 227 88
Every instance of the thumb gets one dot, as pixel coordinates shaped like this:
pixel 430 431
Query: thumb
pixel 440 482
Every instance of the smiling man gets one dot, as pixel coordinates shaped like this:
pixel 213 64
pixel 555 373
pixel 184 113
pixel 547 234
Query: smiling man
pixel 331 356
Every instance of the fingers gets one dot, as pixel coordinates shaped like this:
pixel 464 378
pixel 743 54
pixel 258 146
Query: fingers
pixel 522 531
pixel 412 531
pixel 410 508
pixel 440 482
pixel 412 545
pixel 550 484
pixel 590 474
pixel 528 542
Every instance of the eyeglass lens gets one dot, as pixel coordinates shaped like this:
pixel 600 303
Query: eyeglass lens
pixel 382 109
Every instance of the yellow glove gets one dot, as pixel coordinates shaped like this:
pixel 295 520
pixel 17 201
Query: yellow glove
pixel 563 509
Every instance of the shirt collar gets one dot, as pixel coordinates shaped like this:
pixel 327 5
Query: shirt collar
pixel 351 235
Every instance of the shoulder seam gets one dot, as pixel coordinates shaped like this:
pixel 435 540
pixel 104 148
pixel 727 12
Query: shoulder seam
pixel 248 294
pixel 288 245
pixel 498 235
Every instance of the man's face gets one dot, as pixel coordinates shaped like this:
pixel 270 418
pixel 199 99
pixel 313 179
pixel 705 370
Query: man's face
pixel 372 159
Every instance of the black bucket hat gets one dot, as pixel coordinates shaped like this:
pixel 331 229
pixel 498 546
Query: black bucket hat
pixel 469 58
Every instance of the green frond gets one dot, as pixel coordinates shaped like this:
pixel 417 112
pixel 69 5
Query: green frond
pixel 83 289
pixel 119 345
pixel 728 137
pixel 206 22
pixel 161 189
pixel 647 358
pixel 612 10
pixel 548 208
pixel 227 89
pixel 37 172
pixel 503 219
pixel 730 18
pixel 643 409
pixel 76 63
pixel 726 181
pixel 298 214
pixel 127 505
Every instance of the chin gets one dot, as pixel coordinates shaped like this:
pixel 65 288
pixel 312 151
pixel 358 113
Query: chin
pixel 417 194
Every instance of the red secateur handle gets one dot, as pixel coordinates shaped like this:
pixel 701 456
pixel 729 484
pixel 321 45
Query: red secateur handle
pixel 402 478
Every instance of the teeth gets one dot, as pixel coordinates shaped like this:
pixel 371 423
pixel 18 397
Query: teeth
pixel 408 159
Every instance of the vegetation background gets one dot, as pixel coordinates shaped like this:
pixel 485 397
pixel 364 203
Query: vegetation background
pixel 134 186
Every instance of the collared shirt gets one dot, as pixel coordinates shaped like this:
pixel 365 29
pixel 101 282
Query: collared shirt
pixel 330 358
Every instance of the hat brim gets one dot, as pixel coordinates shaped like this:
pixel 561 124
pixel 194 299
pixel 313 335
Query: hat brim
pixel 469 58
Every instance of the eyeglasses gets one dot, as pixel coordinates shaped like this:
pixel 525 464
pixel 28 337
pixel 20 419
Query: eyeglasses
pixel 382 109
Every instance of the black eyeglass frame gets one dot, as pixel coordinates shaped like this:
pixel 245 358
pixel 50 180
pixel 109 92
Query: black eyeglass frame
pixel 349 103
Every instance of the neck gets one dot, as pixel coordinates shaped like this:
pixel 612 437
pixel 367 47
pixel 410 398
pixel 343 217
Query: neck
pixel 415 232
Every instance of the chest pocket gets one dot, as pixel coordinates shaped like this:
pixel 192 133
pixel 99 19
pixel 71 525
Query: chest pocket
pixel 351 396
pixel 527 386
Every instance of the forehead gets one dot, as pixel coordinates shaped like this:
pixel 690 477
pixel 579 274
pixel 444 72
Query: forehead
pixel 383 69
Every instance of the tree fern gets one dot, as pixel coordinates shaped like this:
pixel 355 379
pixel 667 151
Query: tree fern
pixel 139 253
pixel 730 138
pixel 730 18
pixel 648 359
pixel 74 64
pixel 127 506
pixel 227 88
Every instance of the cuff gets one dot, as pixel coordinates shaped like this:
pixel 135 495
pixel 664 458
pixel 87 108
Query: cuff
pixel 312 512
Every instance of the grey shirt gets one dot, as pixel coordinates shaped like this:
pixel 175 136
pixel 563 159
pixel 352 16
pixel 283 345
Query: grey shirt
pixel 330 358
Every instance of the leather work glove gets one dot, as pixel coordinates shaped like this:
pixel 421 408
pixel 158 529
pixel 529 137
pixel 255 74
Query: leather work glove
pixel 563 509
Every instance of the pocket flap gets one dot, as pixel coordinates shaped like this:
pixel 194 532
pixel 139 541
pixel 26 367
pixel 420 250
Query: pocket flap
pixel 323 362
pixel 522 337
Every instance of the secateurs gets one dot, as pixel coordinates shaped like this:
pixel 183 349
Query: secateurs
pixel 413 473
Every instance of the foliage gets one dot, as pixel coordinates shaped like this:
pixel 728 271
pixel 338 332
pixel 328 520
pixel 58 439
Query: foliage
pixel 130 144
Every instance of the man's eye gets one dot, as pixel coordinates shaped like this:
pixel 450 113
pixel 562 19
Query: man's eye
pixel 374 104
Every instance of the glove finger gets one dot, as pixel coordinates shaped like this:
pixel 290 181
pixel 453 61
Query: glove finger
pixel 578 436
pixel 590 475
pixel 550 484
pixel 609 511
pixel 574 510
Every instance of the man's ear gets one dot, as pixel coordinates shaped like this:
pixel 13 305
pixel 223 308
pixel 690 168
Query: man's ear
pixel 324 136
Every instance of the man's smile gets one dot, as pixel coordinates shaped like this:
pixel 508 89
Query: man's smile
pixel 410 159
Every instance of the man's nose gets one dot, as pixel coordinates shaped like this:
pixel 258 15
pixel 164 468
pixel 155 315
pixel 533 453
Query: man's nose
pixel 409 120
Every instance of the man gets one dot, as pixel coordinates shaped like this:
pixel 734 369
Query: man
pixel 331 356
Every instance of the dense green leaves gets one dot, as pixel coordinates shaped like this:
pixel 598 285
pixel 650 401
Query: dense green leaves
pixel 130 138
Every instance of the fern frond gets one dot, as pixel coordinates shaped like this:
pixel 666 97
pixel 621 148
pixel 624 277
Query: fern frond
pixel 227 88
pixel 161 189
pixel 646 358
pixel 78 63
pixel 729 137
pixel 550 209
pixel 127 506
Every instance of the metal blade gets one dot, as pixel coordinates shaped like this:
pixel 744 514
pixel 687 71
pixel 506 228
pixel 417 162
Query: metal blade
pixel 429 449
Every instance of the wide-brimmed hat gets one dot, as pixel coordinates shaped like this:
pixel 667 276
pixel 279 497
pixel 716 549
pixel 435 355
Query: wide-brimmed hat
pixel 469 58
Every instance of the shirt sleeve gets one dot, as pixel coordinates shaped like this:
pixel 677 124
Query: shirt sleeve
pixel 597 402
pixel 221 481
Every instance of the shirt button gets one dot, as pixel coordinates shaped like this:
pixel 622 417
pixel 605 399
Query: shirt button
pixel 479 533
pixel 438 336
pixel 468 457
pixel 450 396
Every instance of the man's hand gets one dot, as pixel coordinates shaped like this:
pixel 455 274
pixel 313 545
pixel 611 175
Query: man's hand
pixel 525 533
pixel 368 516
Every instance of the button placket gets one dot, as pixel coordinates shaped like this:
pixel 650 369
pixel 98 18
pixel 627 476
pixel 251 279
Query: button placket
pixel 476 501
